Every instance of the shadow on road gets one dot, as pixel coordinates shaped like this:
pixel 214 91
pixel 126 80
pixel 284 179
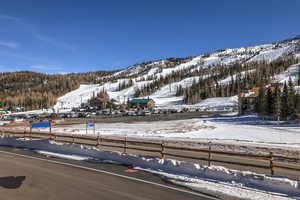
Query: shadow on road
pixel 11 182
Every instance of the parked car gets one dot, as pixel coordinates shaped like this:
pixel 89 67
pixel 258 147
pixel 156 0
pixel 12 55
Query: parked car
pixel 156 111
pixel 131 113
pixel 106 112
pixel 82 114
pixel 147 113
pixel 91 115
pixel 73 115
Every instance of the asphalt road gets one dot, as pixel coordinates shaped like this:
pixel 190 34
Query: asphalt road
pixel 26 175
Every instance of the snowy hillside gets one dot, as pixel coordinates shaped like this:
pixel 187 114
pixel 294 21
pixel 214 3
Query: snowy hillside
pixel 144 74
pixel 292 72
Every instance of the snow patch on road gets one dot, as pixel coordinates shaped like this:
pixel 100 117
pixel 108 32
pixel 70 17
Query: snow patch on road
pixel 64 156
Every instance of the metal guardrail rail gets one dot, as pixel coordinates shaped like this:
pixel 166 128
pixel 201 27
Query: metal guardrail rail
pixel 163 149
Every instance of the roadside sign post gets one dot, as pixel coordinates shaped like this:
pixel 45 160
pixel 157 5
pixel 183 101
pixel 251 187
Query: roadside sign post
pixel 40 125
pixel 98 140
pixel 90 125
pixel 86 127
pixel 30 132
pixel 94 127
pixel 50 127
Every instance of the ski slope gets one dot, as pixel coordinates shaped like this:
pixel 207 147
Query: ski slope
pixel 166 96
pixel 86 92
pixel 292 72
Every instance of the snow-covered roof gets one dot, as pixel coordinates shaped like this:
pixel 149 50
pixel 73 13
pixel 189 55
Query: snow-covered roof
pixel 253 93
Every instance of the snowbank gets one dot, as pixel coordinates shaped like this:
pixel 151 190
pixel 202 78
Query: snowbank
pixel 218 103
pixel 284 186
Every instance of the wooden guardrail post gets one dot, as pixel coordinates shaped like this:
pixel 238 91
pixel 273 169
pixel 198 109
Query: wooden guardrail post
pixel 73 138
pixel 30 135
pixel 125 144
pixel 98 141
pixel 271 163
pixel 209 153
pixel 162 150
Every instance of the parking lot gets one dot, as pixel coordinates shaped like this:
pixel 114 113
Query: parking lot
pixel 109 116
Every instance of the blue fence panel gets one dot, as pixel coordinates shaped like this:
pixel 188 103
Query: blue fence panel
pixel 41 125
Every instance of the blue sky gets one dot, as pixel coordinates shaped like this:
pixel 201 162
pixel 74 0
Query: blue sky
pixel 61 36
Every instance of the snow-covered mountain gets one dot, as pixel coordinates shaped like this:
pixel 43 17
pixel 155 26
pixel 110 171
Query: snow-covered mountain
pixel 144 74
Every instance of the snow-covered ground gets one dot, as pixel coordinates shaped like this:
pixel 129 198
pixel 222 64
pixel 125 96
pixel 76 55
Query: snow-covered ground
pixel 271 53
pixel 227 128
pixel 213 180
pixel 219 188
pixel 292 72
pixel 3 122
pixel 217 104
pixel 64 156
pixel 166 98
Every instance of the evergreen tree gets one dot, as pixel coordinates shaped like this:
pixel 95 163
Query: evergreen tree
pixel 291 98
pixel 277 106
pixel 269 104
pixel 299 75
pixel 260 104
pixel 297 104
pixel 284 106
